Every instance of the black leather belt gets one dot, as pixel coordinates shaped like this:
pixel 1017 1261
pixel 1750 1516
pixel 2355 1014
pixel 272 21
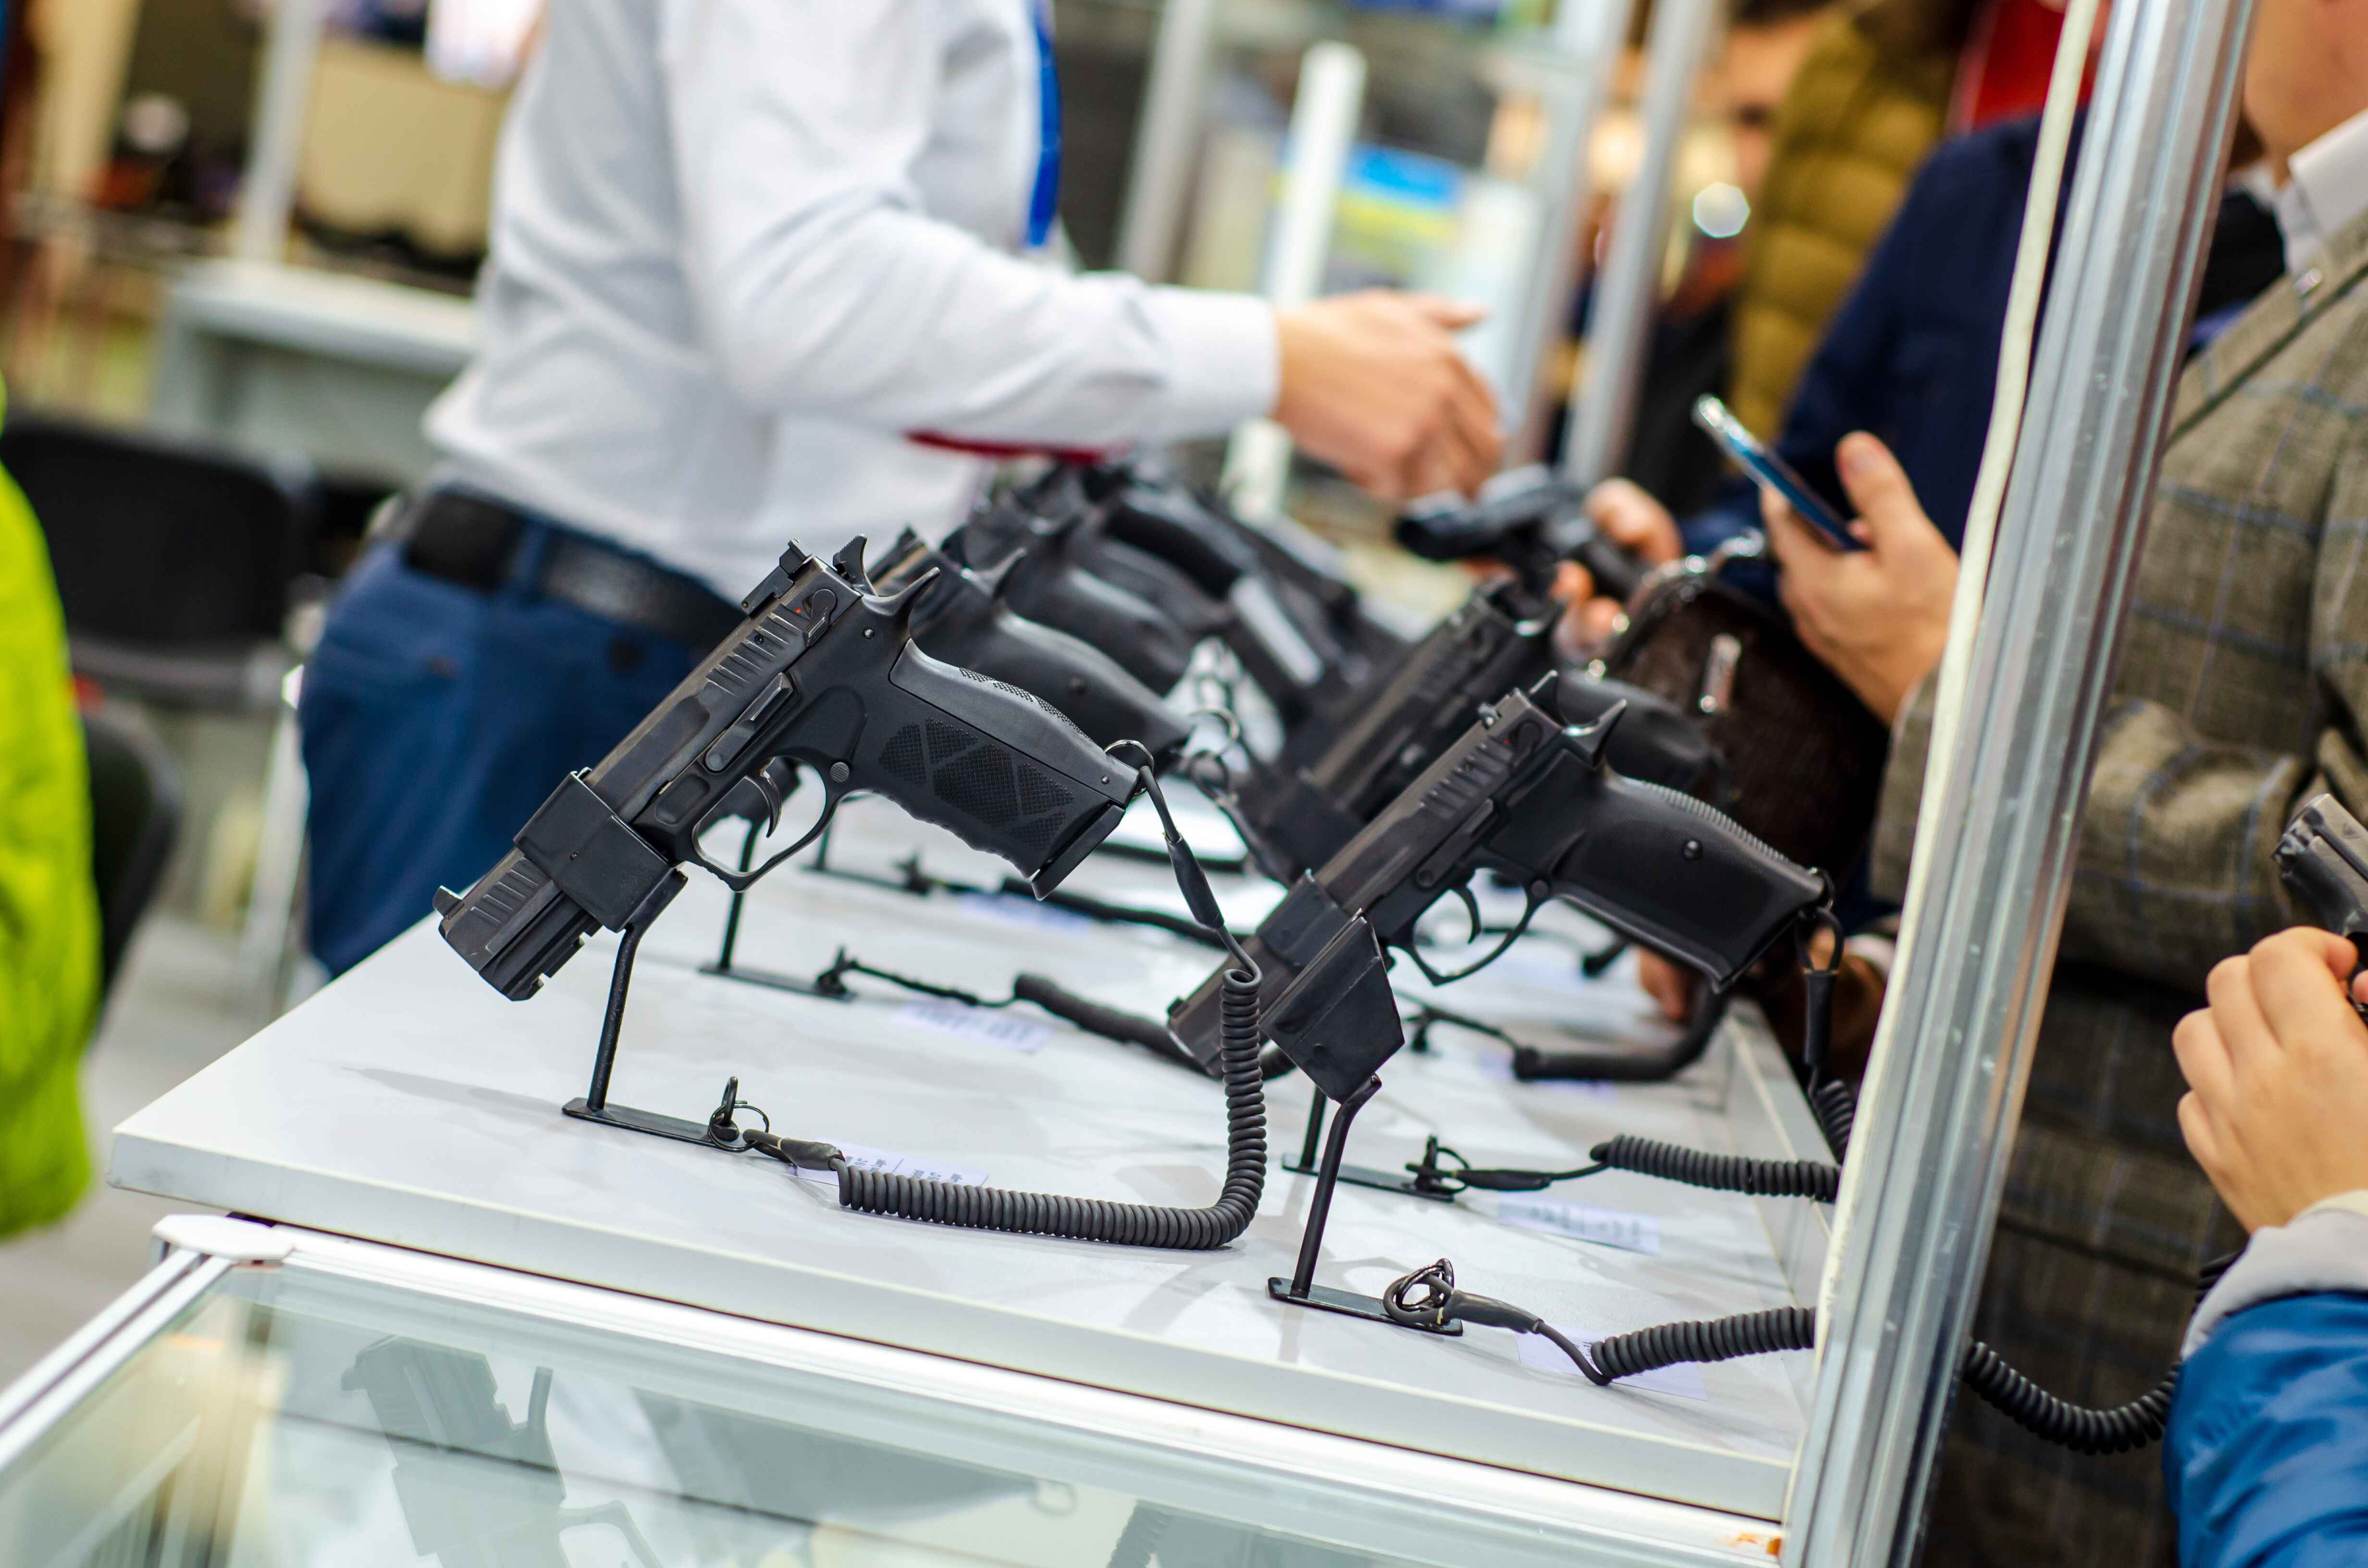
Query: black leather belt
pixel 472 540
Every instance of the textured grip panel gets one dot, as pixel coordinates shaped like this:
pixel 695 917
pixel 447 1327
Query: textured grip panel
pixel 996 765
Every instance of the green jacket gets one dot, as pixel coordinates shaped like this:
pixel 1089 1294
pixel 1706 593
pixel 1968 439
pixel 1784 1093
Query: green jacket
pixel 48 909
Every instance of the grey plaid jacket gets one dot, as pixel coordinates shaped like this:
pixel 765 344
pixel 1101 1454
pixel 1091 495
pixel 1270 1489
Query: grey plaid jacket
pixel 2242 690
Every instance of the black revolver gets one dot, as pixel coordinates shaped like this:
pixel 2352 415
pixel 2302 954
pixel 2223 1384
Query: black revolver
pixel 961 618
pixel 823 672
pixel 1532 526
pixel 1531 799
pixel 2323 859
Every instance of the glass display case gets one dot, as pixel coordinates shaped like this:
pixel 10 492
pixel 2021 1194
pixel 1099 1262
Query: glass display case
pixel 291 1398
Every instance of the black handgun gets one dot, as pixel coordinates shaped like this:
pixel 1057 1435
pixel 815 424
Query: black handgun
pixel 823 672
pixel 1524 796
pixel 477 1490
pixel 1053 582
pixel 1532 523
pixel 961 620
pixel 1298 809
pixel 2323 859
pixel 1294 629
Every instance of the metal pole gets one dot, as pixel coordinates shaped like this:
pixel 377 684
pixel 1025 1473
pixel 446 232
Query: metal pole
pixel 1322 129
pixel 1158 181
pixel 1628 290
pixel 1586 45
pixel 284 105
pixel 2000 817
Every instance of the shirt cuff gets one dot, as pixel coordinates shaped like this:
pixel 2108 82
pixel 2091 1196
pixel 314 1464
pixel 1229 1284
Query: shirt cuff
pixel 1902 791
pixel 2324 1248
pixel 1227 366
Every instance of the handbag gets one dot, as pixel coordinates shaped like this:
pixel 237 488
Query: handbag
pixel 1804 757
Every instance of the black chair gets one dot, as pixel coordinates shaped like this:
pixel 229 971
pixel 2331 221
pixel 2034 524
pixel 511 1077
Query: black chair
pixel 174 560
pixel 135 815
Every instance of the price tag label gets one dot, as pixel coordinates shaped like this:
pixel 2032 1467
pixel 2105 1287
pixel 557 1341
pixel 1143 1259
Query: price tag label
pixel 863 1157
pixel 1582 1222
pixel 1684 1380
pixel 992 1028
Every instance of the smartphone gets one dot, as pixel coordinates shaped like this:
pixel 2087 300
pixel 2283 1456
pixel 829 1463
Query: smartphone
pixel 1771 472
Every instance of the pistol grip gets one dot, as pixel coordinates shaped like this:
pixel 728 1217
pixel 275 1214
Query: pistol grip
pixel 998 766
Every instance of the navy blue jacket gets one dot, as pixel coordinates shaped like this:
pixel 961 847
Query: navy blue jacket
pixel 1912 355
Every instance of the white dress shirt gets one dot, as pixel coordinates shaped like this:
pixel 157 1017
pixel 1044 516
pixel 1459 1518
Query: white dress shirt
pixel 743 249
pixel 2326 187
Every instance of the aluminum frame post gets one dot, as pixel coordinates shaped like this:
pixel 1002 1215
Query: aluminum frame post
pixel 1324 118
pixel 1584 42
pixel 1628 290
pixel 2001 824
pixel 1158 179
pixel 291 51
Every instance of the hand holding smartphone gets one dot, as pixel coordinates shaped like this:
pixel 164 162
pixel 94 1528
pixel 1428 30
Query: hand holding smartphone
pixel 1771 472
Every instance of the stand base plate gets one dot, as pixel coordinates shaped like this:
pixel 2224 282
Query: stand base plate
pixel 1350 1304
pixel 650 1121
pixel 768 979
pixel 1366 1175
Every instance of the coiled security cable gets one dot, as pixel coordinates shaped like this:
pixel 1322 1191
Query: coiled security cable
pixel 1722 1173
pixel 1427 1296
pixel 1090 1219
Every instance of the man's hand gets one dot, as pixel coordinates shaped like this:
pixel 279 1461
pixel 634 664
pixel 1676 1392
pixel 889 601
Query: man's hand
pixel 1628 517
pixel 2277 1074
pixel 1878 617
pixel 1373 384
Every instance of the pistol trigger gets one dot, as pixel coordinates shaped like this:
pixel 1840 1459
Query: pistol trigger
pixel 1471 911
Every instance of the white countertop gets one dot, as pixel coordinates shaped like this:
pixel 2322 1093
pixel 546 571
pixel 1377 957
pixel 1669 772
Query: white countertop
pixel 410 1104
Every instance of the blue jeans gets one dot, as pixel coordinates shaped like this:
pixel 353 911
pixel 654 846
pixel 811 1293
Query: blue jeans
pixel 435 718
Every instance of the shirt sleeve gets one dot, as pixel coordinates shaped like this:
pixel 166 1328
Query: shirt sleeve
pixel 2175 870
pixel 825 288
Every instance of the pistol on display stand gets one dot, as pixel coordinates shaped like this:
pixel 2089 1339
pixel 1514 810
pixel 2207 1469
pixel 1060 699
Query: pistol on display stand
pixel 1529 520
pixel 1534 801
pixel 824 675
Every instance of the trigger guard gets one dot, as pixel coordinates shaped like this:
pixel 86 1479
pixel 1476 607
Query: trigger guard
pixel 1520 928
pixel 741 882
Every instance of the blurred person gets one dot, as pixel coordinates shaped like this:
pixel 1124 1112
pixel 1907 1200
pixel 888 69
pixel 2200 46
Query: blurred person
pixel 49 907
pixel 1690 352
pixel 1912 356
pixel 1885 81
pixel 2241 690
pixel 2267 1454
pixel 764 270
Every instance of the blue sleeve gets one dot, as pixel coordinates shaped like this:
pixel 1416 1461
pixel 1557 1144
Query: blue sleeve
pixel 2266 1459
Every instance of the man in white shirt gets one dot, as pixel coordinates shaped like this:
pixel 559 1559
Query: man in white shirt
pixel 759 272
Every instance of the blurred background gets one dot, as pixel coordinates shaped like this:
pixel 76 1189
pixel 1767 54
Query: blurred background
pixel 237 240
